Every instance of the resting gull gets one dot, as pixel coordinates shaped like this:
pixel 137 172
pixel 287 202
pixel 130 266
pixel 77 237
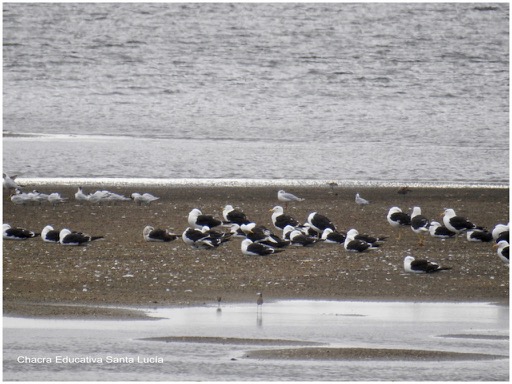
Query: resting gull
pixel 234 216
pixel 16 233
pixel 503 248
pixel 50 235
pixel 436 229
pixel 412 265
pixel 145 198
pixel 256 249
pixel 68 237
pixel 150 233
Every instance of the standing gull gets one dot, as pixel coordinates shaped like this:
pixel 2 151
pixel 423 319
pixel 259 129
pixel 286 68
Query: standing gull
pixel 198 220
pixel 319 222
pixel 396 218
pixel 360 201
pixel 454 223
pixel 412 265
pixel 9 183
pixel 280 220
pixel 419 224
pixel 286 197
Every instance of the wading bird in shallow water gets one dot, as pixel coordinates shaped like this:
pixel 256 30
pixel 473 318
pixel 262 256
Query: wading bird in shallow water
pixel 259 301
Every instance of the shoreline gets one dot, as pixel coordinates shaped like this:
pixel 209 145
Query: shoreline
pixel 253 183
pixel 122 269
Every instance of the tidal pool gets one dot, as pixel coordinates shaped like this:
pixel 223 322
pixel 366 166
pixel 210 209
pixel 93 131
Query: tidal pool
pixel 237 342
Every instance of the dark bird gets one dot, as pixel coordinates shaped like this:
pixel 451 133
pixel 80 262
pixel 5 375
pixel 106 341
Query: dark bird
pixel 404 190
pixel 280 220
pixel 234 216
pixel 299 239
pixel 204 238
pixel 319 222
pixel 397 218
pixel 436 229
pixel 196 219
pixel 15 233
pixel 356 245
pixel 330 236
pixel 501 232
pixel 151 234
pixel 419 224
pixel 503 249
pixel 50 235
pixel 412 265
pixel 256 249
pixel 259 301
pixel 67 237
pixel 479 234
pixel 454 223
pixel 375 241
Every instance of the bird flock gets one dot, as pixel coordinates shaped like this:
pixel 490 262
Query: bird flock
pixel 205 231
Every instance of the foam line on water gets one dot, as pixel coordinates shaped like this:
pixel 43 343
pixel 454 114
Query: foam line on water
pixel 188 182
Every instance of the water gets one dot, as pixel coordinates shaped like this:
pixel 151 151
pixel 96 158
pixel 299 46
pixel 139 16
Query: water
pixel 455 327
pixel 367 92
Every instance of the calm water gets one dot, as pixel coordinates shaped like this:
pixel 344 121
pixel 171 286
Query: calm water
pixel 455 327
pixel 368 92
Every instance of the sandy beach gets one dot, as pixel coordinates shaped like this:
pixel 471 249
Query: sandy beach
pixel 51 280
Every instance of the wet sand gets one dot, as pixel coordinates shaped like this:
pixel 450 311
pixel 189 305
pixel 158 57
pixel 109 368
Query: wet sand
pixel 42 279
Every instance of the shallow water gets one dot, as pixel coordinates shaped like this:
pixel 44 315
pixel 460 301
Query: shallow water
pixel 352 91
pixel 456 327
